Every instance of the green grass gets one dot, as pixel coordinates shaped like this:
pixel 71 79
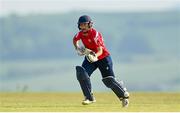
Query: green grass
pixel 106 102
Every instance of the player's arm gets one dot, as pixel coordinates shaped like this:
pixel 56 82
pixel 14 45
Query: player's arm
pixel 81 50
pixel 99 42
pixel 77 47
pixel 100 51
pixel 76 44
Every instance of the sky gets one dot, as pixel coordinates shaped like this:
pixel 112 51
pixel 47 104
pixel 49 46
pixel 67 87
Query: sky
pixel 61 6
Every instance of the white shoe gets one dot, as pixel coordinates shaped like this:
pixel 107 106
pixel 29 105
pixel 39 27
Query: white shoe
pixel 87 101
pixel 125 102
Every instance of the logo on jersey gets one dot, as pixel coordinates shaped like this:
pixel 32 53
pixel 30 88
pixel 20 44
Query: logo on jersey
pixel 89 40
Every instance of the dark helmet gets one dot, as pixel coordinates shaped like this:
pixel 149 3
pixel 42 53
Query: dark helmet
pixel 85 19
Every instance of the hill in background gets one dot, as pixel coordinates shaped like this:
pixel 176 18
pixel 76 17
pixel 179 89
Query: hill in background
pixel 145 48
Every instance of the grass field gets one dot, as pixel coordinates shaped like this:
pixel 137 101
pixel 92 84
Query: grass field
pixel 106 102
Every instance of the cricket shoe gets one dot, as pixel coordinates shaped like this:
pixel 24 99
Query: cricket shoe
pixel 87 101
pixel 125 102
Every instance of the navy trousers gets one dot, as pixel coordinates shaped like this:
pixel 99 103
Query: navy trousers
pixel 105 66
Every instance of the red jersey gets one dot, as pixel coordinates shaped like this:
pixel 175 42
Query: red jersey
pixel 92 41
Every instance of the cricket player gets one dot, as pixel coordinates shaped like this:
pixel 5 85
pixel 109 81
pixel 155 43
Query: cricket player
pixel 96 56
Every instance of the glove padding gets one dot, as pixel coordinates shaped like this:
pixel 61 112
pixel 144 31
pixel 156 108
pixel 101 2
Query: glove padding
pixel 80 51
pixel 91 57
pixel 83 51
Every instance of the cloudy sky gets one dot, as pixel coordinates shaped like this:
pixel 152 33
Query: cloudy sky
pixel 61 6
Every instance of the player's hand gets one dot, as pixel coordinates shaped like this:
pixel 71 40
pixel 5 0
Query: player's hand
pixel 81 51
pixel 92 57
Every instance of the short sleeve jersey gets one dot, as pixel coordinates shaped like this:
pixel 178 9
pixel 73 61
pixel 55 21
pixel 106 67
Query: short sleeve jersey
pixel 92 41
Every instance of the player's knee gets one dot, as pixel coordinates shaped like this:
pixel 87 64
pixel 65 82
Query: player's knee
pixel 108 81
pixel 81 73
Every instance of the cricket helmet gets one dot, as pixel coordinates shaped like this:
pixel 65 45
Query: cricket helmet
pixel 85 19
